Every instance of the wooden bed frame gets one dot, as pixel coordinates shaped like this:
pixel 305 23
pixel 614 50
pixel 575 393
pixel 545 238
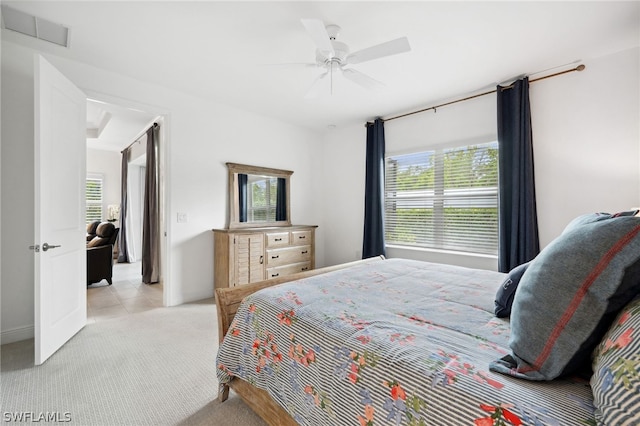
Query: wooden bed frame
pixel 228 301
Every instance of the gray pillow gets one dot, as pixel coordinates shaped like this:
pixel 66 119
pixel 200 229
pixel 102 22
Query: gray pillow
pixel 569 295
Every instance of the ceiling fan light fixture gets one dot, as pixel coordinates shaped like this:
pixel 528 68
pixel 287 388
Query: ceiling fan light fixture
pixel 333 31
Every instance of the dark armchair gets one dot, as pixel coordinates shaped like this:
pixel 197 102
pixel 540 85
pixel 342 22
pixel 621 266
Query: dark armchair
pixel 91 230
pixel 100 253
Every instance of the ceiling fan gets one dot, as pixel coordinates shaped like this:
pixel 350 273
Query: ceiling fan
pixel 334 57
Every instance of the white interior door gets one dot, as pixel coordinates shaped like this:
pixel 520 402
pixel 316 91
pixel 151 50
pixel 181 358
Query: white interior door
pixel 60 178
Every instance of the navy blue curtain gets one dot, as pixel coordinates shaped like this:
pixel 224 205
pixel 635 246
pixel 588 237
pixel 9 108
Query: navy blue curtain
pixel 242 197
pixel 373 244
pixel 518 229
pixel 281 200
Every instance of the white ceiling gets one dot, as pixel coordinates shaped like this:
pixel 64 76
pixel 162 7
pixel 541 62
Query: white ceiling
pixel 112 127
pixel 225 51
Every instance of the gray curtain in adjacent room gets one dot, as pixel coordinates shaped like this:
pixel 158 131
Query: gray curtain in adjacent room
pixel 373 244
pixel 123 249
pixel 151 217
pixel 518 222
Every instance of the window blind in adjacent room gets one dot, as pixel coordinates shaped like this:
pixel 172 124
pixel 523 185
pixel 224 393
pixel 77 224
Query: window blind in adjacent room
pixel 94 190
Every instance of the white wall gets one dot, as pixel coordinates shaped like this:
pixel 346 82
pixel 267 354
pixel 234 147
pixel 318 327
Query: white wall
pixel 107 164
pixel 586 136
pixel 201 137
pixel 135 203
pixel 586 145
pixel 17 216
pixel 342 193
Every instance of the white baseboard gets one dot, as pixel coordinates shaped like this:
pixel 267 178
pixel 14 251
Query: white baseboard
pixel 16 334
pixel 191 297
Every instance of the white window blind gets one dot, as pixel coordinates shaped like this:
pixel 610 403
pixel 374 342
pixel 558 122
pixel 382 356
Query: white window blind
pixel 94 192
pixel 261 204
pixel 444 199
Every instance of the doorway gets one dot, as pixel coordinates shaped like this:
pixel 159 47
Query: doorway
pixel 127 295
pixel 113 125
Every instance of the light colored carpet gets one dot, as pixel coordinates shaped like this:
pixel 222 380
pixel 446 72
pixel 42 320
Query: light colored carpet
pixel 156 367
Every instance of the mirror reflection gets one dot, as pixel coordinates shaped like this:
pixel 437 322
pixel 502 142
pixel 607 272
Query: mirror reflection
pixel 258 196
pixel 261 198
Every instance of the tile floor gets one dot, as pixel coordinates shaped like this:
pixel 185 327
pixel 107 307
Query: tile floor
pixel 127 295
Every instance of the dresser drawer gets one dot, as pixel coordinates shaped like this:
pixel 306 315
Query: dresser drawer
pixel 277 239
pixel 285 256
pixel 301 237
pixel 282 271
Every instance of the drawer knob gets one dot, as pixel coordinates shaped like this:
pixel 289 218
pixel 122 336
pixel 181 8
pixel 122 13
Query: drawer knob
pixel 278 239
pixel 302 237
pixel 305 252
pixel 275 257
pixel 274 275
pixel 305 268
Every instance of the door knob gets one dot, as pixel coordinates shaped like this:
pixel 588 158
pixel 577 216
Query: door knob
pixel 47 246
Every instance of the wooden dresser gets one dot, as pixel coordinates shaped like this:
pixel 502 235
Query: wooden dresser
pixel 243 256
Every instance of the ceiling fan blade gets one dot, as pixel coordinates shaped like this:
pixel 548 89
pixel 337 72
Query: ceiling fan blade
pixel 319 35
pixel 361 79
pixel 393 47
pixel 314 89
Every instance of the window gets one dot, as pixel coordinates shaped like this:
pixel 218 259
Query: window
pixel 444 199
pixel 94 197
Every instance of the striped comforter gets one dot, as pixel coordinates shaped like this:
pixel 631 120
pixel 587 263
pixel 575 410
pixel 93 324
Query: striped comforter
pixel 397 342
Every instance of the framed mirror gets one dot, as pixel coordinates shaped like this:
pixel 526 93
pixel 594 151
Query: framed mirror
pixel 258 196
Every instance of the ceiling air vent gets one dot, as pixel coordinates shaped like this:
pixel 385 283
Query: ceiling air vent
pixel 33 26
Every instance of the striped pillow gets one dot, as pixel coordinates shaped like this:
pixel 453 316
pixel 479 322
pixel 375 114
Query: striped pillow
pixel 568 297
pixel 616 370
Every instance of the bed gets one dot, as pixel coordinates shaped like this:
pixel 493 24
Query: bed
pixel 396 341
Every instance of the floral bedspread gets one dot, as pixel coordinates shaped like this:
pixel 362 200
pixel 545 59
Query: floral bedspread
pixel 395 342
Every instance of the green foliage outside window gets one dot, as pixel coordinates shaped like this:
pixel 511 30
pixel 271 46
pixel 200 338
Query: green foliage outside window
pixel 480 169
pixel 263 200
pixel 444 199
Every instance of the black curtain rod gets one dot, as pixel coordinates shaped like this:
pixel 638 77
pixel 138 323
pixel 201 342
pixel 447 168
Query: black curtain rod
pixel 434 108
pixel 138 138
